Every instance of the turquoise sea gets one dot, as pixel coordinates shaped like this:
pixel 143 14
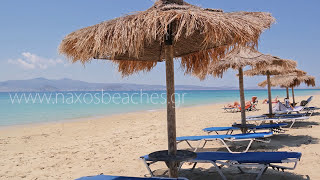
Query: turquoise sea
pixel 27 108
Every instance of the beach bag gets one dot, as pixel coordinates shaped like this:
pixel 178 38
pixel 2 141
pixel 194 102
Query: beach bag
pixel 303 103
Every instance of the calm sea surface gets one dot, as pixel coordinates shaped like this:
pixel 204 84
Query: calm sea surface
pixel 27 108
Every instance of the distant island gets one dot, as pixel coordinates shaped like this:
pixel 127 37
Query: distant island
pixel 44 85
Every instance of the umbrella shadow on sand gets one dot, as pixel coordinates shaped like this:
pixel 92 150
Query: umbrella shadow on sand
pixel 279 141
pixel 208 172
pixel 234 174
pixel 316 114
pixel 305 124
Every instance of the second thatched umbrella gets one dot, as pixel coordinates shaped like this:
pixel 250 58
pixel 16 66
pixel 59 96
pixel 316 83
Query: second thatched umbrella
pixel 239 58
pixel 280 80
pixel 169 29
pixel 290 80
pixel 270 70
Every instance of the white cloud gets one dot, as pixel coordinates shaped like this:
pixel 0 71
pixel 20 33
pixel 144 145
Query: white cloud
pixel 33 61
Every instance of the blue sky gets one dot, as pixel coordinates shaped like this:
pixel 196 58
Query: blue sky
pixel 31 31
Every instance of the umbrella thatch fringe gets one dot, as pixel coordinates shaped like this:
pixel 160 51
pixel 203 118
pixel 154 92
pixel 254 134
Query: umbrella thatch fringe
pixel 276 68
pixel 130 67
pixel 114 39
pixel 239 57
pixel 192 63
pixel 290 80
pixel 198 63
pixel 244 56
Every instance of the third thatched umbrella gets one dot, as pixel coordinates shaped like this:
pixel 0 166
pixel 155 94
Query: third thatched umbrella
pixel 169 29
pixel 270 70
pixel 290 80
pixel 237 59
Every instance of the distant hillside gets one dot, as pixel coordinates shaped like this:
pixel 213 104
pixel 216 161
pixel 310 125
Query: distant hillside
pixel 42 84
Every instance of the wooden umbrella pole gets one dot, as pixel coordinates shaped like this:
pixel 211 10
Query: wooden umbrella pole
pixel 293 100
pixel 287 92
pixel 269 94
pixel 171 113
pixel 242 101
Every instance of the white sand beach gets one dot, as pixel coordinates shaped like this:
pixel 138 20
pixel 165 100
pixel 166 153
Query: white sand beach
pixel 112 145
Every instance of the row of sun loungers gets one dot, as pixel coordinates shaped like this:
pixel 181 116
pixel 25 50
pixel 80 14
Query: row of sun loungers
pixel 241 160
pixel 304 107
pixel 259 160
pixel 279 108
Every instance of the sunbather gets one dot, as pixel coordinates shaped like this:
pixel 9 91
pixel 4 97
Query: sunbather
pixel 234 105
pixel 254 103
pixel 237 108
pixel 266 101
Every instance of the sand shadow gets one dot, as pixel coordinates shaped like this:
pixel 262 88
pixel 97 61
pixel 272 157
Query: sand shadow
pixel 208 172
pixel 305 124
pixel 284 140
pixel 278 141
pixel 234 174
pixel 316 114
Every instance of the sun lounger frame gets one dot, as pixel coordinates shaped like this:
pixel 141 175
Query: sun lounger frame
pixel 254 130
pixel 102 176
pixel 218 164
pixel 263 167
pixel 277 120
pixel 224 140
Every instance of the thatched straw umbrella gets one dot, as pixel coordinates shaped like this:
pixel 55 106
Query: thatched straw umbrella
pixel 237 59
pixel 169 29
pixel 270 70
pixel 279 80
pixel 290 80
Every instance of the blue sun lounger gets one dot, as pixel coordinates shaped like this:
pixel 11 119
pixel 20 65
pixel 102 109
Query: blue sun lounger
pixel 229 130
pixel 310 109
pixel 107 177
pixel 278 116
pixel 286 118
pixel 223 138
pixel 259 160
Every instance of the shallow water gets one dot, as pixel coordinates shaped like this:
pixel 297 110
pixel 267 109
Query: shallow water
pixel 26 108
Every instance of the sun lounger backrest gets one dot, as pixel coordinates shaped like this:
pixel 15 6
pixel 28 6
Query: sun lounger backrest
pixel 249 157
pixel 305 103
pixel 309 100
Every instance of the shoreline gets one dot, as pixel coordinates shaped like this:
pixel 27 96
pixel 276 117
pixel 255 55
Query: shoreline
pixel 93 118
